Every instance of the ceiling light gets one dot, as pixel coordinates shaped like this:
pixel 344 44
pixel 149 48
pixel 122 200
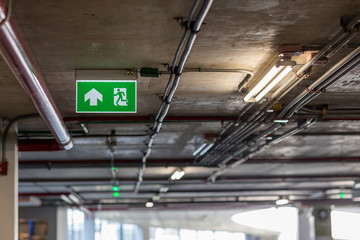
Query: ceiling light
pixel 265 80
pixel 149 204
pixel 156 198
pixel 177 175
pixel 163 189
pixel 84 128
pixel 206 149
pixel 273 83
pixel 66 199
pixel 74 199
pixel 281 120
pixel 282 201
pixel 199 149
pixel 268 137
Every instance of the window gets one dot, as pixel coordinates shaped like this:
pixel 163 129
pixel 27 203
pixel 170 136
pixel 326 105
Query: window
pixel 157 233
pixel 75 224
pixel 106 230
pixel 345 225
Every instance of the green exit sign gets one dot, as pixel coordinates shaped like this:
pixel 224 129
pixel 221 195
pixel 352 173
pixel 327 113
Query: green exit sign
pixel 106 96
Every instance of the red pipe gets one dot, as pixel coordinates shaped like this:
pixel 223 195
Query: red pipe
pixel 145 118
pixel 52 194
pixel 39 146
pixel 27 145
pixel 164 162
pixel 259 178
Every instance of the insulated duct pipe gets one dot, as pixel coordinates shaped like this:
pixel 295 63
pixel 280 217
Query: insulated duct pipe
pixel 15 54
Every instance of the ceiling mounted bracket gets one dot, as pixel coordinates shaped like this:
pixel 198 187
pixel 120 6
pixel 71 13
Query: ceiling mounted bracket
pixel 345 20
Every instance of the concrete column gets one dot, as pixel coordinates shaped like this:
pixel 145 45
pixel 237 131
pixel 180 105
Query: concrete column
pixel 9 191
pixel 306 224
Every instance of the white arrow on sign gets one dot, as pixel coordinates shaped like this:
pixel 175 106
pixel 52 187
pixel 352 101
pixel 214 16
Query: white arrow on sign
pixel 93 95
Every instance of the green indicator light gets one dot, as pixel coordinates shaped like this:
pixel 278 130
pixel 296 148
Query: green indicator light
pixel 114 168
pixel 342 195
pixel 116 194
pixel 115 188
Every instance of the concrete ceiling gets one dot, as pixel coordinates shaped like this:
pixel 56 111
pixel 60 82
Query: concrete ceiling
pixel 64 36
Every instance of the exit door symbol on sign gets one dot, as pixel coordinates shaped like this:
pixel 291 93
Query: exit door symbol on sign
pixel 120 97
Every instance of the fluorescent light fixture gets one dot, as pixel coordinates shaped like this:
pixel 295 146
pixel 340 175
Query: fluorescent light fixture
pixel 265 80
pixel 281 120
pixel 149 204
pixel 268 137
pixel 282 201
pixel 84 128
pixel 163 189
pixel 199 149
pixel 206 149
pixel 273 83
pixel 177 175
pixel 74 199
pixel 156 198
pixel 66 199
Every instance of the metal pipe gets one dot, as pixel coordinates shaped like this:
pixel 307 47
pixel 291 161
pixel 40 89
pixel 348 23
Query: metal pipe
pixel 340 39
pixel 328 73
pixel 345 69
pixel 249 74
pixel 287 87
pixel 164 107
pixel 244 147
pixel 291 132
pixel 350 36
pixel 15 54
pixel 6 131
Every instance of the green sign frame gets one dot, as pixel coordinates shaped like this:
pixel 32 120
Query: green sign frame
pixel 106 96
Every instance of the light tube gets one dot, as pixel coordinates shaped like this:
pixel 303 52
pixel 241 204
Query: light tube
pixel 66 199
pixel 177 175
pixel 266 79
pixel 74 198
pixel 206 149
pixel 273 83
pixel 282 201
pixel 199 149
